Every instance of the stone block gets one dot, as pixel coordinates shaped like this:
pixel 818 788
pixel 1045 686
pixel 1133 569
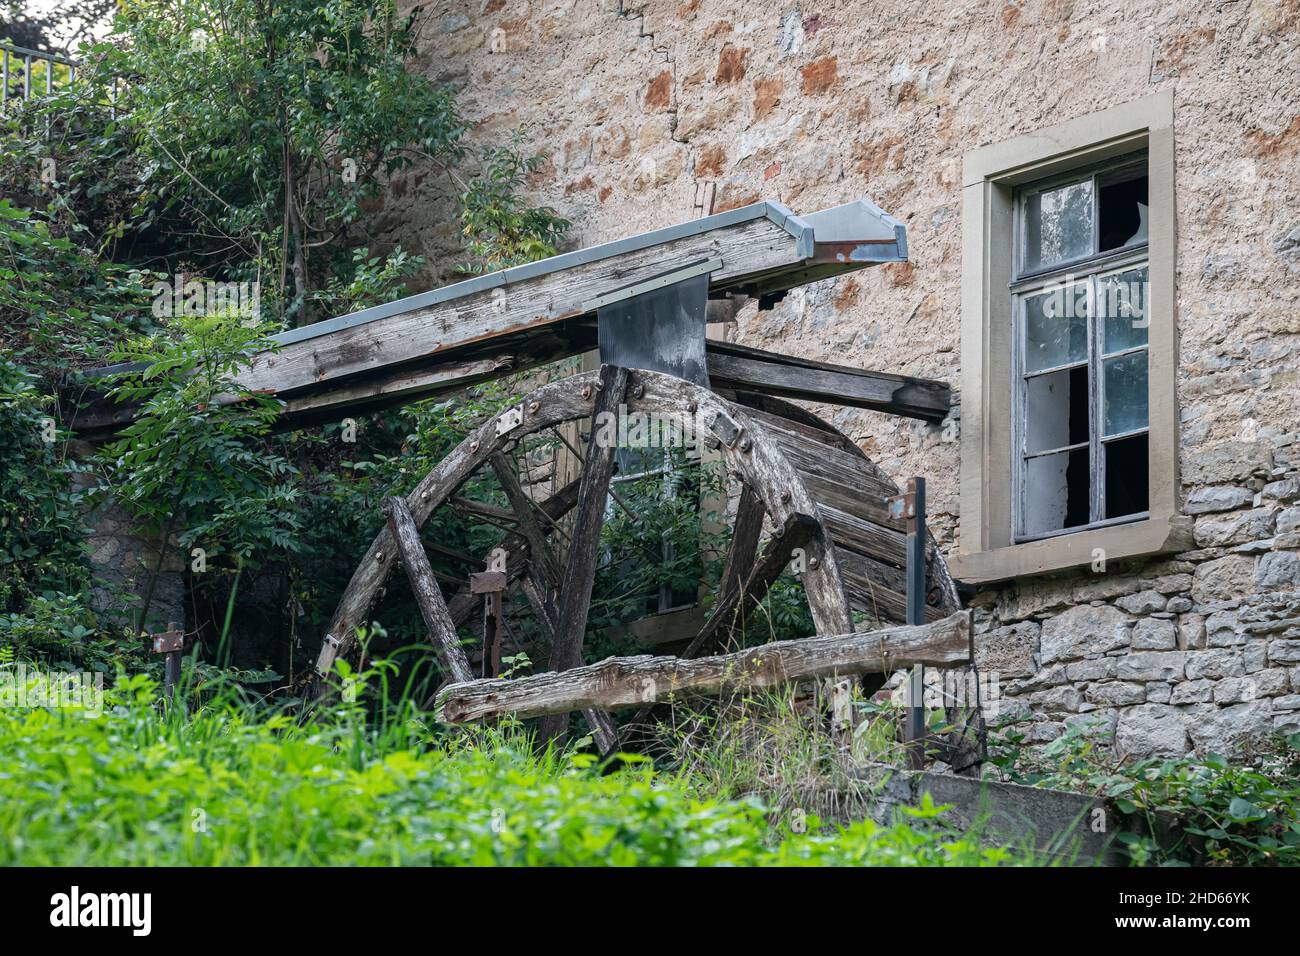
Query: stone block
pixel 1081 631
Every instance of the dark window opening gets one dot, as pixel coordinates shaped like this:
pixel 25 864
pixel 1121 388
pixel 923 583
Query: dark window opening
pixel 1122 213
pixel 1127 478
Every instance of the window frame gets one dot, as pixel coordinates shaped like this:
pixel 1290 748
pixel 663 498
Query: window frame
pixel 988 550
pixel 1092 268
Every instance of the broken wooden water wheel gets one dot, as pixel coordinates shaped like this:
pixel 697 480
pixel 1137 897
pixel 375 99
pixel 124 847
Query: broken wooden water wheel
pixel 824 502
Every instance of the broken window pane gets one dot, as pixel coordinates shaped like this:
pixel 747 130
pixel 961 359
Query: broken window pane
pixel 1057 409
pixel 1058 225
pixel 1125 393
pixel 1122 302
pixel 1057 491
pixel 1056 327
pixel 1122 212
pixel 1126 476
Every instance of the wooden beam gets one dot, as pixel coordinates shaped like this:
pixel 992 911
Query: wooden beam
pixel 438 331
pixel 368 389
pixel 622 682
pixel 580 569
pixel 442 632
pixel 593 492
pixel 742 367
pixel 602 725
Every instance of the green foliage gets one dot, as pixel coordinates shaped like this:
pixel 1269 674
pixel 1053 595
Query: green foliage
pixel 224 786
pixel 61 306
pixel 192 449
pixel 40 527
pixel 1202 810
pixel 500 228
pixel 371 280
pixel 260 138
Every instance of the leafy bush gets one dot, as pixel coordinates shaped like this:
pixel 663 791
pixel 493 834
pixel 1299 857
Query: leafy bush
pixel 138 787
pixel 1203 810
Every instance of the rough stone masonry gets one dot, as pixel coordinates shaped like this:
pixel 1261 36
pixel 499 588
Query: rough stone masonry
pixel 637 102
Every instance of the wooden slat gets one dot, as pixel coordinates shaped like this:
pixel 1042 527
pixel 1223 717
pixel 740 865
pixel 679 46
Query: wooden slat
pixel 442 632
pixel 621 682
pixel 877 589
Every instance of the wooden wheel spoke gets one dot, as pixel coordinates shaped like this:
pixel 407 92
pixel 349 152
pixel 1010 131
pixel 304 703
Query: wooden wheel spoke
pixel 798 531
pixel 525 513
pixel 437 617
pixel 744 541
pixel 580 570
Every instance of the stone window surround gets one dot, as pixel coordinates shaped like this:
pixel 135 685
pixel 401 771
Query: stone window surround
pixel 990 177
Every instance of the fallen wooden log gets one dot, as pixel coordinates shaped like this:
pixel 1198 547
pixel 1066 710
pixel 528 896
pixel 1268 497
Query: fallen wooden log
pixel 620 682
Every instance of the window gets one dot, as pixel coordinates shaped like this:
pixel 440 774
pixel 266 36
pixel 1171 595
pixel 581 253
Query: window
pixel 1079 295
pixel 1069 413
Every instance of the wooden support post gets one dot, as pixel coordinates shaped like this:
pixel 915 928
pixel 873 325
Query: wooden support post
pixel 602 725
pixel 170 643
pixel 621 682
pixel 490 584
pixel 442 632
pixel 580 571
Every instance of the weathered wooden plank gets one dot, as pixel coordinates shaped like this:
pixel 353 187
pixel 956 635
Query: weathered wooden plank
pixel 878 589
pixel 622 682
pixel 742 367
pixel 431 333
pixel 584 545
pixel 584 548
pixel 865 537
pixel 442 632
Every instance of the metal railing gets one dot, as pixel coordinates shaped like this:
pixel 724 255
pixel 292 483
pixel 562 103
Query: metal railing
pixel 19 56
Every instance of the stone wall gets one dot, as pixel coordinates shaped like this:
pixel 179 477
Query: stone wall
pixel 815 103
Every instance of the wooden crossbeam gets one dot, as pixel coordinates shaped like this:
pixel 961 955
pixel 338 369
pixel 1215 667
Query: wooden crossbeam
pixel 734 366
pixel 442 631
pixel 622 682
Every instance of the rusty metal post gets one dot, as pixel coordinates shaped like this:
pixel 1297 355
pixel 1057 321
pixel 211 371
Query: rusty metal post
pixel 170 643
pixel 491 584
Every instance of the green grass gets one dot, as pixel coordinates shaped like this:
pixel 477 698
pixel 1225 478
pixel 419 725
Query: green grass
pixel 231 785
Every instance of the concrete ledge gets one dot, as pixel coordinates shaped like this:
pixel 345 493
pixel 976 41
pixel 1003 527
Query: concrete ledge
pixel 1056 823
